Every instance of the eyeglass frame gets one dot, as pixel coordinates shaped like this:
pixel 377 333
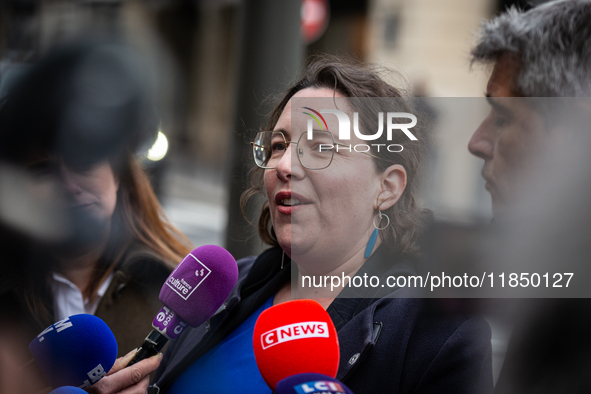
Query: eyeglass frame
pixel 288 143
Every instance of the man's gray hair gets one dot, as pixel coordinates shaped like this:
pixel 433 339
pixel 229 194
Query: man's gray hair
pixel 552 42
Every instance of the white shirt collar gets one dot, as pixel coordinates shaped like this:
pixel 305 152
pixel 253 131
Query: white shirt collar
pixel 68 300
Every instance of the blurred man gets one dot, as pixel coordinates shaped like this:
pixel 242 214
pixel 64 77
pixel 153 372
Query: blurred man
pixel 544 52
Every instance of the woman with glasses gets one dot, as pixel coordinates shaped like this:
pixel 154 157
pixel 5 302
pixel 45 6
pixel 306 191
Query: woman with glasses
pixel 334 207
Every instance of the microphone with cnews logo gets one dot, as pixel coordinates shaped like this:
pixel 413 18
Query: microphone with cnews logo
pixel 295 337
pixel 192 294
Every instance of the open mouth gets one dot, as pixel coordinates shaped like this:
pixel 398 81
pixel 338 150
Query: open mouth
pixel 286 200
pixel 290 202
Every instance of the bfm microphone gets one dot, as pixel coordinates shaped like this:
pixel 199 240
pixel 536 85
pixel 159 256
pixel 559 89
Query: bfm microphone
pixel 311 383
pixel 68 390
pixel 192 294
pixel 76 351
pixel 295 337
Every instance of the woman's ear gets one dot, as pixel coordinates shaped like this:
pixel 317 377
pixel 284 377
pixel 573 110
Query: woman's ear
pixel 392 185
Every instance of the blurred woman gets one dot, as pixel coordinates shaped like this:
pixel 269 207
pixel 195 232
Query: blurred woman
pixel 117 273
pixel 81 230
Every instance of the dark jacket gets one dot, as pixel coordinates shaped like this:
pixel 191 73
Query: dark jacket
pixel 131 301
pixel 128 306
pixel 387 345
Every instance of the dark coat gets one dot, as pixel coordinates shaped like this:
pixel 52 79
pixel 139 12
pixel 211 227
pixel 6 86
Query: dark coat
pixel 128 306
pixel 131 301
pixel 387 345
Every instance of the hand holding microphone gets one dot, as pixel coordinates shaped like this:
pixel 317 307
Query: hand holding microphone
pixel 80 351
pixel 131 380
pixel 293 338
pixel 192 294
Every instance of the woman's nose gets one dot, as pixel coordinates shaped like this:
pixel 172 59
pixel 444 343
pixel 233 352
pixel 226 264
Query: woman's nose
pixel 289 165
pixel 69 181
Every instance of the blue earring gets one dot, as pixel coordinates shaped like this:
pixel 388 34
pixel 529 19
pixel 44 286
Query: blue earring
pixel 374 235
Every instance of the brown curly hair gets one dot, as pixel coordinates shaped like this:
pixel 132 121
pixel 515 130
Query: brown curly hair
pixel 354 79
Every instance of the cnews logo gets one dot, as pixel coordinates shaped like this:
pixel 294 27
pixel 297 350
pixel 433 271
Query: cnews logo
pixel 291 332
pixel 319 386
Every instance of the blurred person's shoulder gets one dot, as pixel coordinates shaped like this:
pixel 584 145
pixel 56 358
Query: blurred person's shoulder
pixel 143 264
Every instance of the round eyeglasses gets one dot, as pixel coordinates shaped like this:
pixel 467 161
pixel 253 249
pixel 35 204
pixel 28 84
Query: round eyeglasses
pixel 317 153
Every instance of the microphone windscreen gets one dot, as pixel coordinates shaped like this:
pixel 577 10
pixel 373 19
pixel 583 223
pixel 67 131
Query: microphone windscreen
pixel 68 390
pixel 200 284
pixel 76 351
pixel 310 383
pixel 295 337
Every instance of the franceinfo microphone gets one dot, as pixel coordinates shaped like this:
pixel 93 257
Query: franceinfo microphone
pixel 76 351
pixel 295 337
pixel 192 294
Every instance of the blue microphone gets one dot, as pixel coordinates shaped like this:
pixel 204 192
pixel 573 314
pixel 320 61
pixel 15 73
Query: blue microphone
pixel 311 383
pixel 68 390
pixel 76 351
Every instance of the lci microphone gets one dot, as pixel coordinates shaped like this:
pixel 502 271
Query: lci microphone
pixel 192 294
pixel 295 337
pixel 311 383
pixel 68 390
pixel 76 351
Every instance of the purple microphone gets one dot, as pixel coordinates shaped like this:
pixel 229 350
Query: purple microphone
pixel 192 294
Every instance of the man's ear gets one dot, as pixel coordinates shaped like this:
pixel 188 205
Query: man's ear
pixel 392 185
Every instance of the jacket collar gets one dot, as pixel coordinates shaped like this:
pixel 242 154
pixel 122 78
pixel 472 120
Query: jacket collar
pixel 357 306
pixel 352 300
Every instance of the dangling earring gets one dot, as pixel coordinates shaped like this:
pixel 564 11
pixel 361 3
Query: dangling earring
pixel 282 257
pixel 374 235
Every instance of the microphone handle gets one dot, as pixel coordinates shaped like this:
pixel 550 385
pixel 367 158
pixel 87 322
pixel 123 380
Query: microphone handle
pixel 152 345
